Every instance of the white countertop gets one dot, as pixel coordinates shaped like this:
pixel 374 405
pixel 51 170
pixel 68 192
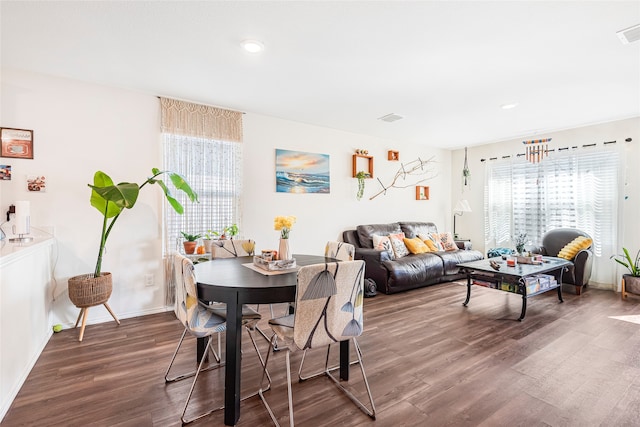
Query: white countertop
pixel 10 251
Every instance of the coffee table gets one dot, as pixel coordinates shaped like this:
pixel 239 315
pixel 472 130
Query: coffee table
pixel 527 280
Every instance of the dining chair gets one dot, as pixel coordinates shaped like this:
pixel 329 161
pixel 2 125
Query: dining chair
pixel 329 309
pixel 339 250
pixel 203 320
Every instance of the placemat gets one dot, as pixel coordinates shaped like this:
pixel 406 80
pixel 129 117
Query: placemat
pixel 270 272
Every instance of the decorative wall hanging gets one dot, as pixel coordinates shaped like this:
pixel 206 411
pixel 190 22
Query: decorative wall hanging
pixel 422 192
pixel 299 172
pixel 415 168
pixel 17 143
pixel 5 172
pixel 36 183
pixel 536 149
pixel 466 173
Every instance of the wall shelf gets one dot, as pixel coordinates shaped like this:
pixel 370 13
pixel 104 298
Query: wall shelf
pixel 422 192
pixel 368 163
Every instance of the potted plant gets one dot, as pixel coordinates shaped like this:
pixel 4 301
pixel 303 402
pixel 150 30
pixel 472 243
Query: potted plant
pixel 190 242
pixel 630 281
pixel 110 200
pixel 362 175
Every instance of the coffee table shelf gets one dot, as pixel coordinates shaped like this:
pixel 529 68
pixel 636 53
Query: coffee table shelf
pixel 527 280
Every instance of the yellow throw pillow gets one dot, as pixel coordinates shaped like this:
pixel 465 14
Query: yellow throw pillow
pixel 573 247
pixel 415 245
pixel 432 246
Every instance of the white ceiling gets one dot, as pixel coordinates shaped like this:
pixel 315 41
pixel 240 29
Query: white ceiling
pixel 446 66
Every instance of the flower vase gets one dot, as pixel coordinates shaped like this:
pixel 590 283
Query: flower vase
pixel 284 253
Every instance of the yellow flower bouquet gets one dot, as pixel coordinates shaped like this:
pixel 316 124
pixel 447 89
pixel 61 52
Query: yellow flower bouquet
pixel 284 224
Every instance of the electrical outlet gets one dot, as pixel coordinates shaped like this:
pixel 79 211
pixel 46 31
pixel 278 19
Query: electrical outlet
pixel 148 280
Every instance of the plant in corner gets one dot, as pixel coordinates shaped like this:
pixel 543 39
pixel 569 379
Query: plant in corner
pixel 631 281
pixel 110 200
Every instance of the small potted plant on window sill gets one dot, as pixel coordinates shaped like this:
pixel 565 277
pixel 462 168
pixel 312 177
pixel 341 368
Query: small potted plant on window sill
pixel 630 281
pixel 190 242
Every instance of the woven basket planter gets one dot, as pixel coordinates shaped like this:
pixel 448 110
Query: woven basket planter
pixel 87 291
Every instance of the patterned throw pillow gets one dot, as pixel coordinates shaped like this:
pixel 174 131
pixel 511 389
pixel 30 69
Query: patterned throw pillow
pixel 397 242
pixel 447 241
pixel 382 243
pixel 572 248
pixel 416 246
pixel 434 238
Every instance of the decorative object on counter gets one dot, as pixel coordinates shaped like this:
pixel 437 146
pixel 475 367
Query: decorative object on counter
pixel 22 226
pixel 415 168
pixel 284 224
pixel 362 175
pixel 110 200
pixel 16 143
pixel 299 172
pixel 466 173
pixel 536 149
pixel 630 281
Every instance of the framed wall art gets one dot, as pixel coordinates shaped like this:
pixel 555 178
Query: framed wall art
pixel 16 143
pixel 300 172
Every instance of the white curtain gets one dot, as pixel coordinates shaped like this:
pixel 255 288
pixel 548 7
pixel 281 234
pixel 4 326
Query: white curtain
pixel 203 144
pixel 575 189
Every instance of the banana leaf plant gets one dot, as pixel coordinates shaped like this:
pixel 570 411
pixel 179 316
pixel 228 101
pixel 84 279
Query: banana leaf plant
pixel 111 199
pixel 628 262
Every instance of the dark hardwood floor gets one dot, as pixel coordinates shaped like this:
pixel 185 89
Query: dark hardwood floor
pixel 430 362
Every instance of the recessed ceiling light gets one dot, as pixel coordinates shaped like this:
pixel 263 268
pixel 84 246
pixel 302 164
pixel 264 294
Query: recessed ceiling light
pixel 509 106
pixel 252 46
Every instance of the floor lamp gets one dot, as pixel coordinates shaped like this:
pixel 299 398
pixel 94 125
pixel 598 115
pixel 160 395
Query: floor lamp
pixel 461 207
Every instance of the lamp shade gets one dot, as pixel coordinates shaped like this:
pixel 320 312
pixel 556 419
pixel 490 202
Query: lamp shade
pixel 462 206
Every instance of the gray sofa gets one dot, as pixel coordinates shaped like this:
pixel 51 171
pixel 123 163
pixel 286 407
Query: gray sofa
pixel 409 272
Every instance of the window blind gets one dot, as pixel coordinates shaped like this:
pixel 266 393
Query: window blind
pixel 573 189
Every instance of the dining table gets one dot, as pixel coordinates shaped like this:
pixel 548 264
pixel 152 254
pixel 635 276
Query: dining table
pixel 235 282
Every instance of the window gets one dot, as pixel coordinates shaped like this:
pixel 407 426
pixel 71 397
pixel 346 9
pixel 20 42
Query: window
pixel 575 190
pixel 203 144
pixel 214 171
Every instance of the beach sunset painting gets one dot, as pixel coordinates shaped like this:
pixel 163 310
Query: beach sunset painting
pixel 300 172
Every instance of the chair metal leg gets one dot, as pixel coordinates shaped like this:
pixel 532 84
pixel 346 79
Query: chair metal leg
pixel 168 379
pixel 302 378
pixel 261 390
pixel 371 412
pixel 193 384
pixel 197 372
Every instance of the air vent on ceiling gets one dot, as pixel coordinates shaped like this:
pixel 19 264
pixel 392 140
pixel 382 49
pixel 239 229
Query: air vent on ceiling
pixel 390 118
pixel 629 35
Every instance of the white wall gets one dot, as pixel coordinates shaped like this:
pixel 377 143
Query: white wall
pixel 472 224
pixel 80 128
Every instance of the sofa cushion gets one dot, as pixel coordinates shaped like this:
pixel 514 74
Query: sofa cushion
pixel 413 229
pixel 397 243
pixel 408 271
pixel 570 250
pixel 366 232
pixel 447 241
pixel 434 238
pixel 416 246
pixel 451 259
pixel 432 246
pixel 382 243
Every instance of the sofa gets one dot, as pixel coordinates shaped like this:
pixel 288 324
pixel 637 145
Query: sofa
pixel 410 271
